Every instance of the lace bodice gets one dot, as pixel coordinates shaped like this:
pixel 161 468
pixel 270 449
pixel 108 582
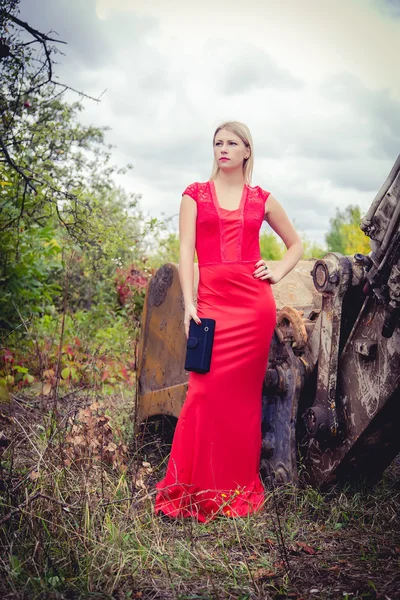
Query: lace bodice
pixel 227 236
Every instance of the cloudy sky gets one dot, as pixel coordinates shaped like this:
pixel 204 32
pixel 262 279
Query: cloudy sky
pixel 316 81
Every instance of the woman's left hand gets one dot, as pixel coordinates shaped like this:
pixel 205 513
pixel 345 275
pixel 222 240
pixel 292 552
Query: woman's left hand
pixel 265 273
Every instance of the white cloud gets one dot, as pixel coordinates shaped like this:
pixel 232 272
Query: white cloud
pixel 317 84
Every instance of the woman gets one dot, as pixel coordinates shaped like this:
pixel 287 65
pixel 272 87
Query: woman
pixel 213 467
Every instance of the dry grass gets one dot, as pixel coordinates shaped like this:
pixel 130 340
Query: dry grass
pixel 82 528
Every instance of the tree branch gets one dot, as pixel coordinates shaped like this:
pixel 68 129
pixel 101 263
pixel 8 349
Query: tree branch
pixel 15 166
pixel 37 34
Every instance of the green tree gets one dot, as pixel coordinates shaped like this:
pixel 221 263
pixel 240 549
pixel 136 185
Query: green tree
pixel 311 249
pixel 271 247
pixel 167 250
pixel 57 190
pixel 98 221
pixel 345 235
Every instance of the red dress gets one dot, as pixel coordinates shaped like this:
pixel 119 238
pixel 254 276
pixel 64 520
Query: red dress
pixel 213 467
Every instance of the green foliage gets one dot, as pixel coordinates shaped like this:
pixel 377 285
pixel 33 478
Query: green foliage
pixel 311 249
pixel 35 255
pixel 97 349
pixel 167 250
pixel 271 247
pixel 345 235
pixel 29 262
pixel 91 233
pixel 356 240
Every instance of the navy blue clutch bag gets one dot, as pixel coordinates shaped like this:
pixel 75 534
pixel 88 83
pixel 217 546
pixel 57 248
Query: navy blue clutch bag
pixel 199 345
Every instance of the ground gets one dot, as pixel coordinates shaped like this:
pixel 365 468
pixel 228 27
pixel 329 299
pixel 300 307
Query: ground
pixel 76 526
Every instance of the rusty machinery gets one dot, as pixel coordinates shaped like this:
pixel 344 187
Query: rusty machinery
pixel 331 400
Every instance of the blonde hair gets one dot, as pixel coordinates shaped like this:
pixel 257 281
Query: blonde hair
pixel 242 131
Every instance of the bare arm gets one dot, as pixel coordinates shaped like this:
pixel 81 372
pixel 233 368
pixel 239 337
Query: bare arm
pixel 277 218
pixel 187 244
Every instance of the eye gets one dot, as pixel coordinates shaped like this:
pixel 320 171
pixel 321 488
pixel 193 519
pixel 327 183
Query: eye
pixel 234 143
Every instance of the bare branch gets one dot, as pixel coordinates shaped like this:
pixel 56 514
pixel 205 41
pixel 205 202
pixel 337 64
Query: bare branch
pixel 67 87
pixel 37 34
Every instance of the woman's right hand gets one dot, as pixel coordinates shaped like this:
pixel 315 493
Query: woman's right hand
pixel 190 313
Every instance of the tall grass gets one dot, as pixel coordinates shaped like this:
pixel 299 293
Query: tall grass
pixel 74 525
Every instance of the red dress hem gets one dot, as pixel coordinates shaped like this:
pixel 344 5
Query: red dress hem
pixel 178 500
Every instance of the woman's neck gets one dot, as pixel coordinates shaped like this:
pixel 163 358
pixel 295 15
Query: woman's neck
pixel 231 179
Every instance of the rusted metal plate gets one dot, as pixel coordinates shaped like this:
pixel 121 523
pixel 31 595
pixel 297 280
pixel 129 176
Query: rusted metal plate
pixel 165 401
pixel 161 353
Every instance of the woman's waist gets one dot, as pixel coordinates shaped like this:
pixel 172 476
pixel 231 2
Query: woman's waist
pixel 229 263
pixel 229 278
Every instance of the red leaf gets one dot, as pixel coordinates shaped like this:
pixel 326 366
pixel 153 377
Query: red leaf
pixel 106 375
pixel 307 549
pixel 8 356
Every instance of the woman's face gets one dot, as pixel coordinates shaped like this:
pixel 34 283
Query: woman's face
pixel 230 146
